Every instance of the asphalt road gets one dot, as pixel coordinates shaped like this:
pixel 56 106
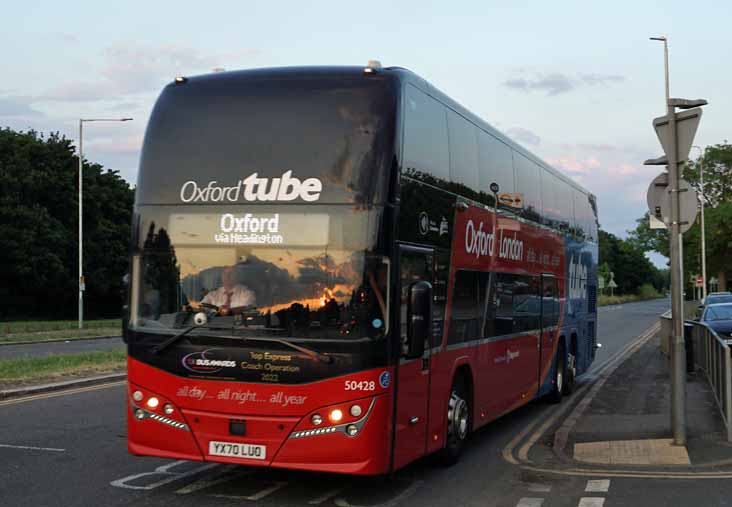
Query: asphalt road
pixel 56 348
pixel 69 449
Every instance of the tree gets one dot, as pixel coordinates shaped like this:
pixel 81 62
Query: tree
pixel 628 262
pixel 38 227
pixel 717 165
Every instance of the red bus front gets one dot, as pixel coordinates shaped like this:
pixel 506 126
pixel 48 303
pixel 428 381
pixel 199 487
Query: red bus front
pixel 259 311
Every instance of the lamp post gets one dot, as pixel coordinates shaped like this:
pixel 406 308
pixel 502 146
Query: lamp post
pixel 81 170
pixel 702 201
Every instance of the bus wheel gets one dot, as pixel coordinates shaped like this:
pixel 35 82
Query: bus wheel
pixel 458 422
pixel 571 373
pixel 560 374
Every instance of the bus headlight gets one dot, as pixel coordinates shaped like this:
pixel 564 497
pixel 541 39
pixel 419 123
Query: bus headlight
pixel 336 415
pixel 137 396
pixel 153 402
pixel 351 429
pixel 139 414
pixel 356 410
pixel 317 420
pixel 168 408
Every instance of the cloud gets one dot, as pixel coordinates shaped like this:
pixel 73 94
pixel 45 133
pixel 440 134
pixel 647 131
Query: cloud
pixel 18 107
pixel 130 70
pixel 552 84
pixel 601 79
pixel 556 83
pixel 523 135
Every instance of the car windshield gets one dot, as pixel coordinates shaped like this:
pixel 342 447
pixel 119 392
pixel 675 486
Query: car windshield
pixel 720 312
pixel 300 274
pixel 715 299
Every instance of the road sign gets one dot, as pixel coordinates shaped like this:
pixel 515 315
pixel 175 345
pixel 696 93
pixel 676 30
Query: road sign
pixel 699 281
pixel 600 282
pixel 686 125
pixel 659 202
pixel 655 223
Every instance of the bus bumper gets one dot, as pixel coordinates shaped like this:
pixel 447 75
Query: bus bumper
pixel 358 445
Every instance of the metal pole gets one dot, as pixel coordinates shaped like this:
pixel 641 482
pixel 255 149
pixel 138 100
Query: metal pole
pixel 703 238
pixel 678 375
pixel 81 273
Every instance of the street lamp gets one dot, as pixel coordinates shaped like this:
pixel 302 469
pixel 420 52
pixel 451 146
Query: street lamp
pixel 702 200
pixel 665 65
pixel 81 169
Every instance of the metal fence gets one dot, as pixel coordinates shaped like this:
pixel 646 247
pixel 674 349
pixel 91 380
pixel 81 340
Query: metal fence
pixel 712 356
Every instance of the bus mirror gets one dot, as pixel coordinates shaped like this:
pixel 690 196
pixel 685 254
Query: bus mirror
pixel 419 318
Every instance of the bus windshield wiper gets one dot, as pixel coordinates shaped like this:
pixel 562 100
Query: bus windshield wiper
pixel 320 356
pixel 157 349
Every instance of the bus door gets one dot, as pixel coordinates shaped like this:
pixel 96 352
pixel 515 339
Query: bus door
pixel 415 265
pixel 549 321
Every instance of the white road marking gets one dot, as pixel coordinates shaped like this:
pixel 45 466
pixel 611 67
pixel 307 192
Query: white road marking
pixel 589 501
pixel 225 476
pixel 327 496
pixel 31 448
pixel 342 502
pixel 598 486
pixel 163 470
pixel 256 496
pixel 530 502
pixel 539 488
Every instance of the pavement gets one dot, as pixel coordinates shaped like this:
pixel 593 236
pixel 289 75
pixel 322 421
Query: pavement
pixel 79 434
pixel 621 425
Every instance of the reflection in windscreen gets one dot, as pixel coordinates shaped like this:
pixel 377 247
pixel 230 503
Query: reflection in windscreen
pixel 293 292
pixel 719 313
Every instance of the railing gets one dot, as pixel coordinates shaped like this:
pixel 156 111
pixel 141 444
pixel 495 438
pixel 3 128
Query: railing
pixel 712 355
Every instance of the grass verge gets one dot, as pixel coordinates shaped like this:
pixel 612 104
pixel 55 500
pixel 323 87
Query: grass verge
pixel 37 326
pixel 63 334
pixel 625 298
pixel 32 370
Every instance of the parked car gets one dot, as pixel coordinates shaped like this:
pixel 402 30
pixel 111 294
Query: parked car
pixel 719 317
pixel 714 298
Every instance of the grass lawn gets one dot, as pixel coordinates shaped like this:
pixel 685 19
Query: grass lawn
pixel 22 331
pixel 37 326
pixel 29 370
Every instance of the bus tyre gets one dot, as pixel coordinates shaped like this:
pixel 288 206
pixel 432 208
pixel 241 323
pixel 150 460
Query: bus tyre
pixel 458 422
pixel 571 373
pixel 560 374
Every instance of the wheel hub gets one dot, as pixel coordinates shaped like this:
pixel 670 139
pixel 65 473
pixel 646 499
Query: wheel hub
pixel 457 417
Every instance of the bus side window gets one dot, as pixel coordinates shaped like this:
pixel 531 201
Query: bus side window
pixel 464 314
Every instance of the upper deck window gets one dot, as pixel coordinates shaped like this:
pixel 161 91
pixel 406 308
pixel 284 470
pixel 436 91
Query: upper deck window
pixel 241 139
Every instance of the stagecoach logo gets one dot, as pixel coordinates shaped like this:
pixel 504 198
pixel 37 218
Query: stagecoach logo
pixel 384 379
pixel 206 362
pixel 481 243
pixel 254 188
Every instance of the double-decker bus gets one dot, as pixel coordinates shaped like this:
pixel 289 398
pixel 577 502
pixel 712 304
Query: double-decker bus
pixel 341 269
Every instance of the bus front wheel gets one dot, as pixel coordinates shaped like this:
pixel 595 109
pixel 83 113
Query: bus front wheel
pixel 458 421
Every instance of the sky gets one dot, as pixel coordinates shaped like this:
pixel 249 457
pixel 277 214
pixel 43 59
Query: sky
pixel 578 83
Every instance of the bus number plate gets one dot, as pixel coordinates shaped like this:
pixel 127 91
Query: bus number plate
pixel 237 450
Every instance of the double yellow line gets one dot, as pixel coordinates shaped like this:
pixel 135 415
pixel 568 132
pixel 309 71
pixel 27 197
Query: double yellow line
pixel 65 392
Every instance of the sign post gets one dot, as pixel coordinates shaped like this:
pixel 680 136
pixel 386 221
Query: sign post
pixel 676 133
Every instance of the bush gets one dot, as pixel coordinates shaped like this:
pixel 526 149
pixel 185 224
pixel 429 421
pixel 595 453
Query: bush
pixel 648 291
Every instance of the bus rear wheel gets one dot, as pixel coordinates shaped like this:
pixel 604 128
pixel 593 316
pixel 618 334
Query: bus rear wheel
pixel 458 422
pixel 560 375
